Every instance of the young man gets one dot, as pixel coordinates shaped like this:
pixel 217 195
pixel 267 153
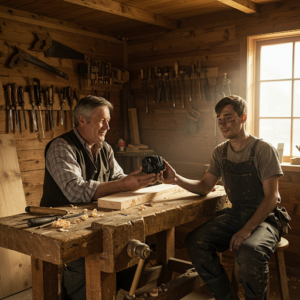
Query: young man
pixel 250 170
pixel 80 167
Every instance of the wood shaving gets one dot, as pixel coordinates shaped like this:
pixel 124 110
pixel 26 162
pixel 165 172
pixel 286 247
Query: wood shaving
pixel 149 204
pixel 75 207
pixel 154 293
pixel 84 217
pixel 85 210
pixel 139 213
pixel 142 207
pixel 72 205
pixel 62 229
pixel 61 223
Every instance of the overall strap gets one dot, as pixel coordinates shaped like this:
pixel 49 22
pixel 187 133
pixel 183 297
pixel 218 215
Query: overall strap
pixel 252 153
pixel 224 155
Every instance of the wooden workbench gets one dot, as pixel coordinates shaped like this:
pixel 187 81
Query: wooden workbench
pixel 103 240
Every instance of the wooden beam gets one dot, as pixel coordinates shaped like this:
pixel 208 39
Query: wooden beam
pixel 34 19
pixel 247 6
pixel 127 11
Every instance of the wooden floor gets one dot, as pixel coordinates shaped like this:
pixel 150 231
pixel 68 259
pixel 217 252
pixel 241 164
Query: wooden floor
pixel 293 282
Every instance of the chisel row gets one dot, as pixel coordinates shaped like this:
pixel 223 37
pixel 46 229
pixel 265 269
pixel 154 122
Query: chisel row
pixel 160 82
pixel 15 98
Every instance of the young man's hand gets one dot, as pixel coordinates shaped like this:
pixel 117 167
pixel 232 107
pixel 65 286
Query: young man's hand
pixel 167 176
pixel 238 238
pixel 137 180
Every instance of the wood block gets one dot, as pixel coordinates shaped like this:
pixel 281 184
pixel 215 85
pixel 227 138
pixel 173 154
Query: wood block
pixel 295 160
pixel 15 270
pixel 134 126
pixel 124 200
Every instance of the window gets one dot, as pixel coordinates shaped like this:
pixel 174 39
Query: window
pixel 277 105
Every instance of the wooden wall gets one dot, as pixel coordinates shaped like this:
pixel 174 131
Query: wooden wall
pixel 30 146
pixel 217 40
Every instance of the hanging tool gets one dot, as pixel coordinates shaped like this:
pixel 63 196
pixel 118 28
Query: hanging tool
pixel 33 111
pixel 37 93
pixel 142 79
pixel 194 79
pixel 155 86
pixel 182 75
pixel 149 78
pixel 198 71
pixel 15 103
pixel 8 92
pixel 22 103
pixel 71 99
pixel 62 106
pixel 160 86
pixel 146 90
pixel 176 76
pixel 226 82
pixel 206 86
pixel 51 101
pixel 18 61
pixel 188 74
pixel 76 95
pixel 48 107
pixel 174 91
pixel 166 74
pixel 48 220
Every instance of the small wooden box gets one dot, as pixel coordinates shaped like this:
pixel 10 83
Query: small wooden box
pixel 295 160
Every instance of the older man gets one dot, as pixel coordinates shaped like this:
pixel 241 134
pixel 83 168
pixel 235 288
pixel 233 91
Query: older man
pixel 80 167
pixel 250 170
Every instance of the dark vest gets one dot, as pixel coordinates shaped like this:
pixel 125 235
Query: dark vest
pixel 52 194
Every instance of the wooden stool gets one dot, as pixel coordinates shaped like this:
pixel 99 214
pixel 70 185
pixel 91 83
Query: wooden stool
pixel 279 256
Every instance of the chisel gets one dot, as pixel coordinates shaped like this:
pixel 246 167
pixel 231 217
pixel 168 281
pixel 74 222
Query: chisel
pixel 188 74
pixel 146 91
pixel 51 101
pixel 15 103
pixel 62 106
pixel 70 95
pixel 22 103
pixel 46 221
pixel 182 74
pixel 155 86
pixel 48 107
pixel 45 210
pixel 206 86
pixel 159 89
pixel 8 91
pixel 33 111
pixel 37 93
pixel 176 76
pixel 198 71
pixel 194 79
pixel 142 79
pixel 166 73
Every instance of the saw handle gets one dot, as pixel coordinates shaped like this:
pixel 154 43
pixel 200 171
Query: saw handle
pixel 14 94
pixel 8 91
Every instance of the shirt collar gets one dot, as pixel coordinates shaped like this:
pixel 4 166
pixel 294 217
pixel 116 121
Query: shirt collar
pixel 83 142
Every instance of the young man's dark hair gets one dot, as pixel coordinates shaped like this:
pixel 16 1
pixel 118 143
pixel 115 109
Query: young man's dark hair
pixel 238 103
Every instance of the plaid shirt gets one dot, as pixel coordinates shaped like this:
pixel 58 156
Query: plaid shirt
pixel 62 165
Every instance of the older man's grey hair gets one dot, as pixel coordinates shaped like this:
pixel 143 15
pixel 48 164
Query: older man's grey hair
pixel 86 105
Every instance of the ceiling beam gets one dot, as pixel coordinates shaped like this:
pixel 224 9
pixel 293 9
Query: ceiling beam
pixel 246 6
pixel 127 11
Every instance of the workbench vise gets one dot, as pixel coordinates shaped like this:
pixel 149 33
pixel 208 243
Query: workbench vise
pixel 137 249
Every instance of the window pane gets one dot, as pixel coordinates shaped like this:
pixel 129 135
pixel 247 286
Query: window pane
pixel 276 131
pixel 296 137
pixel 276 61
pixel 275 99
pixel 297 60
pixel 297 98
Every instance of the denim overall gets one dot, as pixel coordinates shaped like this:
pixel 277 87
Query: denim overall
pixel 245 191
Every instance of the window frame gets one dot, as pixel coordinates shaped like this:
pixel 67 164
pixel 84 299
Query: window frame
pixel 257 82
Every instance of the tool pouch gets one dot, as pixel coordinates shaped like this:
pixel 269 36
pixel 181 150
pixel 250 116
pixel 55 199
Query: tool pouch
pixel 284 218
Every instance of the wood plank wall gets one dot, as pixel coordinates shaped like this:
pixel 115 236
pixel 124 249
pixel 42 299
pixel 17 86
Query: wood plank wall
pixel 216 40
pixel 30 146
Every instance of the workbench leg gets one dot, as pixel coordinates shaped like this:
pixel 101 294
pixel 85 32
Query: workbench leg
pixel 44 280
pixel 165 249
pixel 99 285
